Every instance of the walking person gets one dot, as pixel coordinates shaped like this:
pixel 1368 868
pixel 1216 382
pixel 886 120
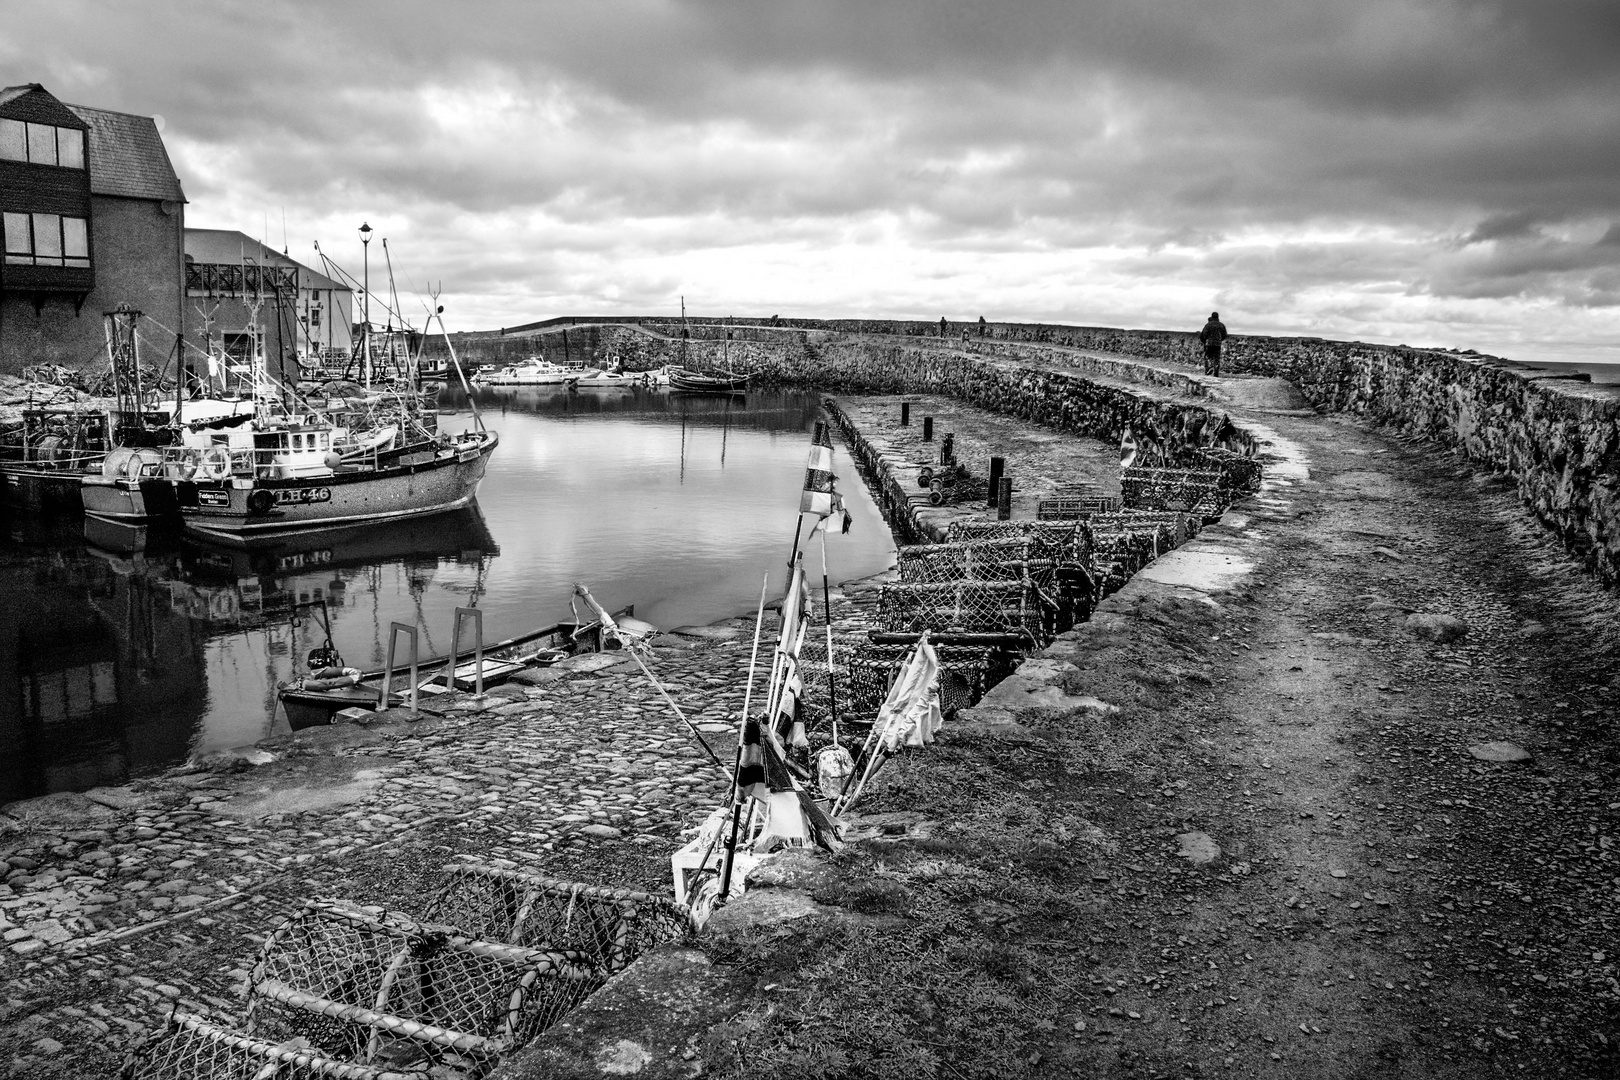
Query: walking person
pixel 1213 333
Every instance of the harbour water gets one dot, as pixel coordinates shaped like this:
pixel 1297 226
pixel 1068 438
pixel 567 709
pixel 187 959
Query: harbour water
pixel 117 663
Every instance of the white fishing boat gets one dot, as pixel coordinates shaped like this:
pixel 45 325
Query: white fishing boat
pixel 531 372
pixel 596 380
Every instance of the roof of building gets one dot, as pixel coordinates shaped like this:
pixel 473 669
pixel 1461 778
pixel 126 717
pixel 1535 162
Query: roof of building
pixel 127 156
pixel 31 101
pixel 232 247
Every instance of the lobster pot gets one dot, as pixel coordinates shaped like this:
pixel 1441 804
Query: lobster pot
pixel 976 560
pixel 1194 491
pixel 1061 541
pixel 1170 528
pixel 1072 507
pixel 189 1046
pixel 353 981
pixel 1239 473
pixel 965 673
pixel 609 928
pixel 1005 607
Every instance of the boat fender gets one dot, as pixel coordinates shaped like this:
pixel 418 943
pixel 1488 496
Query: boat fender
pixel 260 502
pixel 215 463
pixel 331 678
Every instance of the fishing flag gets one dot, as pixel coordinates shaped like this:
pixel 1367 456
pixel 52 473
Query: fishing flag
pixel 751 782
pixel 1127 449
pixel 820 488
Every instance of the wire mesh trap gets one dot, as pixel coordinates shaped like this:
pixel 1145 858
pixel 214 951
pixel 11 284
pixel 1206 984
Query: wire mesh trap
pixel 1008 607
pixel 1196 491
pixel 358 982
pixel 190 1047
pixel 607 928
pixel 965 673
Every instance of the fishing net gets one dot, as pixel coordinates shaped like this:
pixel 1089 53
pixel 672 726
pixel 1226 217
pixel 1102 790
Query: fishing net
pixel 609 928
pixel 356 982
pixel 1196 491
pixel 188 1047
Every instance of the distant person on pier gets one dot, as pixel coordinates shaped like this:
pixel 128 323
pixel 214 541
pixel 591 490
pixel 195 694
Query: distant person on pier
pixel 1213 333
pixel 981 326
pixel 942 326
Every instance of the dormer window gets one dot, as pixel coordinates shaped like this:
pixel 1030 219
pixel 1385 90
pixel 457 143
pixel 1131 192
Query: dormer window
pixel 41 144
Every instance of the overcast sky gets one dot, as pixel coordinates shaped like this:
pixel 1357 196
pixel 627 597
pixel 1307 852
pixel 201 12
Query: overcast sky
pixel 1434 172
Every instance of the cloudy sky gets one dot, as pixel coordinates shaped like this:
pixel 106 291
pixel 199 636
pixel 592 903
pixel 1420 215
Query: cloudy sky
pixel 1434 172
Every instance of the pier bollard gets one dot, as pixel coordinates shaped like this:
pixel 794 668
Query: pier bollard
pixel 928 429
pixel 1004 499
pixel 947 448
pixel 998 466
pixel 905 414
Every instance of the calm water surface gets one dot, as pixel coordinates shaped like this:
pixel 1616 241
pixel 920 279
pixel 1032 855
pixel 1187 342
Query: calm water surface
pixel 118 663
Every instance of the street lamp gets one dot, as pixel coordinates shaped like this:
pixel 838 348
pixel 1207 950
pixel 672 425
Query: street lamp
pixel 365 302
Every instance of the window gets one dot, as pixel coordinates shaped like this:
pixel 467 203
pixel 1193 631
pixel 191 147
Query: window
pixel 47 240
pixel 13 140
pixel 69 148
pixel 41 144
pixel 315 317
pixel 19 243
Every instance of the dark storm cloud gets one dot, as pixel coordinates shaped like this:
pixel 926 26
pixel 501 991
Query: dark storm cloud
pixel 1443 148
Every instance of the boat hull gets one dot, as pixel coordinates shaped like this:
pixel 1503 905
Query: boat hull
pixel 126 500
pixel 42 491
pixel 429 481
pixel 691 382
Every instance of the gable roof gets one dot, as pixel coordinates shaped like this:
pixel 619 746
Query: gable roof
pixel 127 156
pixel 31 101
pixel 230 247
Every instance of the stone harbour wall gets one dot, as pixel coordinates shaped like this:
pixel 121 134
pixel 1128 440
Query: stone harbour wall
pixel 1557 437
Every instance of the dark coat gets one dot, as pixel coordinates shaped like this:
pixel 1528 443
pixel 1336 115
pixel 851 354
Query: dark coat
pixel 1213 333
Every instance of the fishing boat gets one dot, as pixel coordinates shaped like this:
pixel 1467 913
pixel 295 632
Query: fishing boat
pixel 608 379
pixel 532 372
pixel 296 478
pixel 685 381
pixel 45 458
pixel 330 688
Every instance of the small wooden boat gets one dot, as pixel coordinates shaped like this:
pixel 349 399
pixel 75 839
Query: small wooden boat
pixel 317 698
pixel 697 382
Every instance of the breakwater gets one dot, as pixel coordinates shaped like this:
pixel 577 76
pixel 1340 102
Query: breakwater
pixel 1557 437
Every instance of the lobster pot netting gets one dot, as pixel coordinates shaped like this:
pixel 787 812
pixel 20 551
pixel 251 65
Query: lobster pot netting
pixel 351 980
pixel 965 673
pixel 977 560
pixel 1238 472
pixel 1071 507
pixel 1002 607
pixel 1197 491
pixel 1061 541
pixel 188 1047
pixel 608 927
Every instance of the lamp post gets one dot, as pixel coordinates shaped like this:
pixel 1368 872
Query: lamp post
pixel 365 303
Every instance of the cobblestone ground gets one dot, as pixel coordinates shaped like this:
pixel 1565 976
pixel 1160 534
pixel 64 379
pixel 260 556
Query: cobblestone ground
pixel 118 906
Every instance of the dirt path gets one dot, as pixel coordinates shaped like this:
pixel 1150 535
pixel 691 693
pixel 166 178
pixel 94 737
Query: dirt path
pixel 1383 903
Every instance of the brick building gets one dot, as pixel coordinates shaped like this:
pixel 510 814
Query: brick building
pixel 93 217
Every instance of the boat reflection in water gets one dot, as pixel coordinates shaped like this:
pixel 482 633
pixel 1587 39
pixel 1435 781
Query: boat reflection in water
pixel 142 647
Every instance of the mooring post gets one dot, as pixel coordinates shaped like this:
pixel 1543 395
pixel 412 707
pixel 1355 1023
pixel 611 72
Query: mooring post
pixel 905 414
pixel 928 429
pixel 947 448
pixel 1004 499
pixel 998 466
